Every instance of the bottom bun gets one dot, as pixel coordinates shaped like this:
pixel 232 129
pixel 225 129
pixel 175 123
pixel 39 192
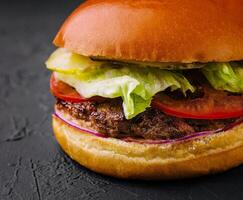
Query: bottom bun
pixel 208 154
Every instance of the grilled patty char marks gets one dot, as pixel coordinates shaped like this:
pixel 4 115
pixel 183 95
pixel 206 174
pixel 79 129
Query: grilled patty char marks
pixel 107 117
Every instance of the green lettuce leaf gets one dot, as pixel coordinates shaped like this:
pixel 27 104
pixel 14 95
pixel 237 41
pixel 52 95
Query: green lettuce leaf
pixel 225 76
pixel 135 86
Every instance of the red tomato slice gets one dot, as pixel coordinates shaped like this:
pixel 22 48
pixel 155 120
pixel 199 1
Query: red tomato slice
pixel 213 105
pixel 65 92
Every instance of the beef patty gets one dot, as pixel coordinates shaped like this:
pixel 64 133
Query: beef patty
pixel 108 118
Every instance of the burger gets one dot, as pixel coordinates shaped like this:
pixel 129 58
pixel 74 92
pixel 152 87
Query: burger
pixel 150 89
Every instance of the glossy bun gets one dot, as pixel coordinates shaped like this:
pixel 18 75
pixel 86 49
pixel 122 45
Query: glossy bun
pixel 156 30
pixel 114 157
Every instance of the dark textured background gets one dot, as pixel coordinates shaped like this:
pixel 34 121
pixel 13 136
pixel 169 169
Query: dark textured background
pixel 32 166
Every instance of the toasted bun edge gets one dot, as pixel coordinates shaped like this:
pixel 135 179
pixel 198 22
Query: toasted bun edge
pixel 117 158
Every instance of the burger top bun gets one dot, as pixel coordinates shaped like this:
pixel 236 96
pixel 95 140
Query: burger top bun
pixel 156 30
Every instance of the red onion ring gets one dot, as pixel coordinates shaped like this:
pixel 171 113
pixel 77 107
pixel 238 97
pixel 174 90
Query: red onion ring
pixel 59 116
pixel 144 141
